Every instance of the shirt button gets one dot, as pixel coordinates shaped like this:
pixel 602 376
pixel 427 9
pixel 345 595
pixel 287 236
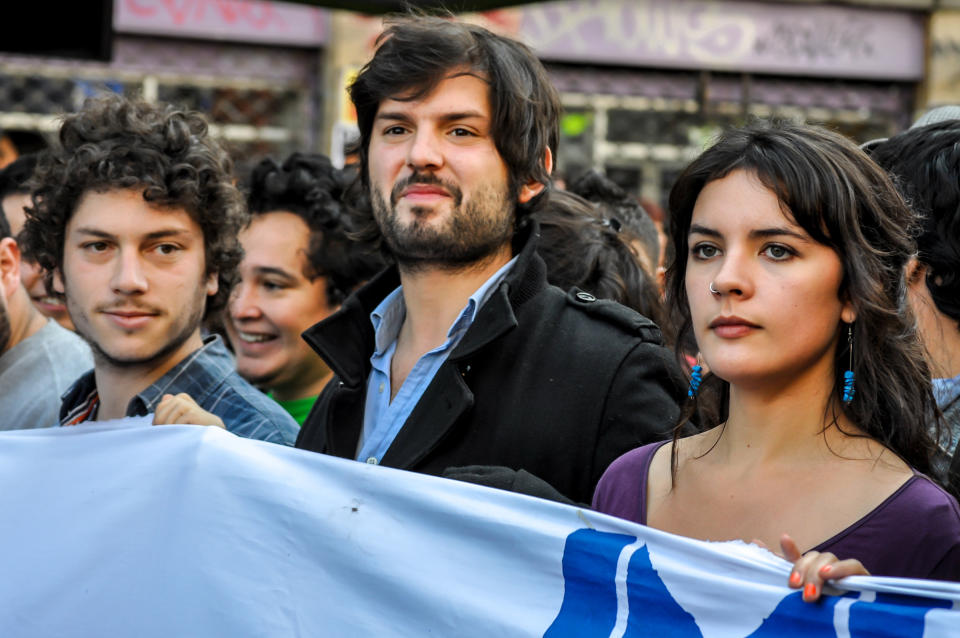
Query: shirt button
pixel 381 388
pixel 372 460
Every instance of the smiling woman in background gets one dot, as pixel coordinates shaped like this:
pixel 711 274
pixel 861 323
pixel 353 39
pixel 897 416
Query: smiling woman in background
pixel 298 266
pixel 790 246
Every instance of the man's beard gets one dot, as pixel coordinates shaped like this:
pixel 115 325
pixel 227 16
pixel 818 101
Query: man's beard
pixel 148 361
pixel 472 232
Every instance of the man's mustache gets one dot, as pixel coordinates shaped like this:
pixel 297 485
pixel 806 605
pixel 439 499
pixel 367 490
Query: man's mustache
pixel 424 178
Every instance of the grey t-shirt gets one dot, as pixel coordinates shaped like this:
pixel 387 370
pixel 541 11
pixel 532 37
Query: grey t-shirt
pixel 35 372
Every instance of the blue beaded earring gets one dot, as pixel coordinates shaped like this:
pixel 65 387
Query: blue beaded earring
pixel 848 376
pixel 696 378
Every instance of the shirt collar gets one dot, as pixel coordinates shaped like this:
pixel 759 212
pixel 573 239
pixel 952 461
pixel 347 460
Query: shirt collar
pixel 200 372
pixel 79 403
pixel 388 316
pixel 946 391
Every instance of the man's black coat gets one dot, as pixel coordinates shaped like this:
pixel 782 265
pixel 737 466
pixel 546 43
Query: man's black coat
pixel 555 384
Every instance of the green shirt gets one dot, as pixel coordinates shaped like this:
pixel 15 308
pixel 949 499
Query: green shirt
pixel 298 408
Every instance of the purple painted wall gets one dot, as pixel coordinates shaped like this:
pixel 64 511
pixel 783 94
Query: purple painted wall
pixel 794 39
pixel 238 20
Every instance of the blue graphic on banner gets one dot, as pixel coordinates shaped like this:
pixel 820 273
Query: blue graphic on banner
pixel 652 608
pixel 590 602
pixel 589 605
pixel 892 615
pixel 783 622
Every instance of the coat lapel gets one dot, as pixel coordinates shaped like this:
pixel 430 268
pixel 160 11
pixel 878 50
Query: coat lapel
pixel 446 399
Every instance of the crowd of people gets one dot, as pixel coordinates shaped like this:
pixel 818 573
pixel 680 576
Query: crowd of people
pixel 442 307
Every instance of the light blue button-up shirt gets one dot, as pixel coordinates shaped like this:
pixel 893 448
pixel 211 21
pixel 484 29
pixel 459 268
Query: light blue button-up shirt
pixel 383 418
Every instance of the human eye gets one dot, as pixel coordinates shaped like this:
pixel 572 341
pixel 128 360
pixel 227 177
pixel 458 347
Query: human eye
pixel 778 252
pixel 460 131
pixel 704 251
pixel 394 130
pixel 95 247
pixel 166 249
pixel 272 286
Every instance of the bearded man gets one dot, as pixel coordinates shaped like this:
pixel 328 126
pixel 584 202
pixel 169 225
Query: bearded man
pixel 462 354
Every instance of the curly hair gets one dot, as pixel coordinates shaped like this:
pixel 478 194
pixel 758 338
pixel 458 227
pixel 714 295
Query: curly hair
pixel 308 186
pixel 116 143
pixel 925 164
pixel 415 53
pixel 844 201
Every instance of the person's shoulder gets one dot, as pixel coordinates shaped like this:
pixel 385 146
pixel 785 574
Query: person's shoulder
pixel 610 315
pixel 621 490
pixel 632 464
pixel 68 342
pixel 926 501
pixel 927 498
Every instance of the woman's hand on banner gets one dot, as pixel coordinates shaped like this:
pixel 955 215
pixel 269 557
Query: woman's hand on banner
pixel 813 569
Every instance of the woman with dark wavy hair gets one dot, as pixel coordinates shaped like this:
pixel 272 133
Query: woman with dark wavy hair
pixel 790 249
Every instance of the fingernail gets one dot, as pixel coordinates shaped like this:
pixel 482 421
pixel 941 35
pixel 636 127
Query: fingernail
pixel 810 590
pixel 825 570
pixel 795 578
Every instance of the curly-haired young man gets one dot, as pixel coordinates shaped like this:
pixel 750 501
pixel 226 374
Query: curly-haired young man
pixel 298 266
pixel 463 354
pixel 137 214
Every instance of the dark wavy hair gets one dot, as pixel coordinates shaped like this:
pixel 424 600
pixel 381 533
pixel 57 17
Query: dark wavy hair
pixel 617 204
pixel 925 165
pixel 415 53
pixel 583 248
pixel 831 189
pixel 116 143
pixel 308 186
pixel 16 174
pixel 13 180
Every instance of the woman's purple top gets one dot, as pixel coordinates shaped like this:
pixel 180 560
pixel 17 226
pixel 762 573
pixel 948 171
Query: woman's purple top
pixel 914 533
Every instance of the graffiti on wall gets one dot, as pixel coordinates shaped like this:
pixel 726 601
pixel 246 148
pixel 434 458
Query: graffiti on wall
pixel 242 20
pixel 740 36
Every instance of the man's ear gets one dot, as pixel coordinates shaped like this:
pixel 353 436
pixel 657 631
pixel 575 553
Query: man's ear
pixel 9 266
pixel 533 188
pixel 213 283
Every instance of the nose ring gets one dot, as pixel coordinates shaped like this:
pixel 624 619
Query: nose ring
pixel 714 290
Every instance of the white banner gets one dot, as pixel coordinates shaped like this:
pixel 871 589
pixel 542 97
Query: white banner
pixel 127 530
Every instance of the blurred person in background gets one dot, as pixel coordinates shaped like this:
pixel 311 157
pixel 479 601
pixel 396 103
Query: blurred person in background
pixel 636 226
pixel 137 213
pixel 585 249
pixel 14 199
pixel 925 164
pixel 39 359
pixel 298 267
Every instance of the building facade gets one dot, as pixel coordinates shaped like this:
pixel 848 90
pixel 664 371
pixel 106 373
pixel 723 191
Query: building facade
pixel 645 83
